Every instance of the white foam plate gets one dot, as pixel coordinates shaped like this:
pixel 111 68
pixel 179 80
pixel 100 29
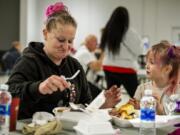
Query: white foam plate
pixel 161 121
pixel 94 127
pixel 70 119
pixel 121 122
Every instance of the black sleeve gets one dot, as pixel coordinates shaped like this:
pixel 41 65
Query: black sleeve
pixel 85 94
pixel 24 81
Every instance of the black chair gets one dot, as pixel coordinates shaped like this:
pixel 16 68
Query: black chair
pixel 2 52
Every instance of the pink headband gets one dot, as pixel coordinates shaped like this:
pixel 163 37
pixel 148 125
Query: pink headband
pixel 59 6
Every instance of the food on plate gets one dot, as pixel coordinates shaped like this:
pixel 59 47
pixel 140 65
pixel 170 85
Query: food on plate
pixel 126 111
pixel 62 109
pixel 59 110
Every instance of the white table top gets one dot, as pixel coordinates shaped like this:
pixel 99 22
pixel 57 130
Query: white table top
pixel 124 131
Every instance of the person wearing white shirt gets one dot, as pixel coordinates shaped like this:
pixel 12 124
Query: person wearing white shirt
pixel 91 65
pixel 86 56
pixel 121 46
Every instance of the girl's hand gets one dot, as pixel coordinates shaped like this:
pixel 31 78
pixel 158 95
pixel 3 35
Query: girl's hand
pixel 159 106
pixel 157 97
pixel 135 103
pixel 52 84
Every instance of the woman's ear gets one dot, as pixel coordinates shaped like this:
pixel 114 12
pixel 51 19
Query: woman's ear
pixel 45 34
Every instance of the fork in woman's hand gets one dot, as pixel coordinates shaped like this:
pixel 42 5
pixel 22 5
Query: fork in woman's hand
pixel 72 77
pixel 72 92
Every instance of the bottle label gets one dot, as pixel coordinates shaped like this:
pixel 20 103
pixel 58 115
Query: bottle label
pixel 4 109
pixel 148 114
pixel 177 106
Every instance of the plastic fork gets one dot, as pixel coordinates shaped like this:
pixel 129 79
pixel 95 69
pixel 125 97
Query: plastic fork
pixel 72 77
pixel 75 107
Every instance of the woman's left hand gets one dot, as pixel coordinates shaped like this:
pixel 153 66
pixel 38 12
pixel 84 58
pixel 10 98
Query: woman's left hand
pixel 113 96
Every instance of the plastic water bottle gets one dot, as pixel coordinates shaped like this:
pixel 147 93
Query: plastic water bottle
pixel 5 102
pixel 147 114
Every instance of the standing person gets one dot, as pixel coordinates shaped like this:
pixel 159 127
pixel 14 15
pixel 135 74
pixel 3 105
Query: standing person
pixel 37 77
pixel 10 57
pixel 91 65
pixel 121 46
pixel 163 69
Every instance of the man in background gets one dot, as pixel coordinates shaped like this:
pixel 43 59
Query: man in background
pixel 10 57
pixel 91 65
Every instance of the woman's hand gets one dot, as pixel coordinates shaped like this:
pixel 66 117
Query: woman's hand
pixel 52 84
pixel 113 96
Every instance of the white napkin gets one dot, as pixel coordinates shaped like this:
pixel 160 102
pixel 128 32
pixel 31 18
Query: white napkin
pixel 97 102
pixel 41 118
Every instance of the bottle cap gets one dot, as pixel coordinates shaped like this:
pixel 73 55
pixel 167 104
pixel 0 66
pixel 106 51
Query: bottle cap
pixel 4 87
pixel 148 92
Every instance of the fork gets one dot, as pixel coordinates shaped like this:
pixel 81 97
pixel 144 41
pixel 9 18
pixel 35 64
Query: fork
pixel 75 107
pixel 72 77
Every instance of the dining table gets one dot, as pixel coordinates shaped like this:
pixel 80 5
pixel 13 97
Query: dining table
pixel 123 130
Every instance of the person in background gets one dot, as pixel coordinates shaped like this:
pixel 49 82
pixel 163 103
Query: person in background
pixel 86 56
pixel 10 57
pixel 91 65
pixel 37 78
pixel 121 46
pixel 163 69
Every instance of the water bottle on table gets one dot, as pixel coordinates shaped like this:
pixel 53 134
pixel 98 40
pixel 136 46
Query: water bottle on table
pixel 147 114
pixel 5 102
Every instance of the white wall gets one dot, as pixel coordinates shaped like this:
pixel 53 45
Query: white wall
pixel 23 22
pixel 168 17
pixel 152 18
pixel 160 17
pixel 29 23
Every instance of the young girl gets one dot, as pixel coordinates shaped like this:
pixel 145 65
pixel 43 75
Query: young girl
pixel 163 69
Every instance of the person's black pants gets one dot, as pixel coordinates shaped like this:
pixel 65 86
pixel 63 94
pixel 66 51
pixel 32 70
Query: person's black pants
pixel 129 81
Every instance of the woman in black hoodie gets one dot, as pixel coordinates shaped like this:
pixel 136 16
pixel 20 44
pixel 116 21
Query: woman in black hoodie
pixel 37 77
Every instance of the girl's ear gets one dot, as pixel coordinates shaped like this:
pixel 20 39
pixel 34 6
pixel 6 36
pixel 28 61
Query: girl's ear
pixel 168 69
